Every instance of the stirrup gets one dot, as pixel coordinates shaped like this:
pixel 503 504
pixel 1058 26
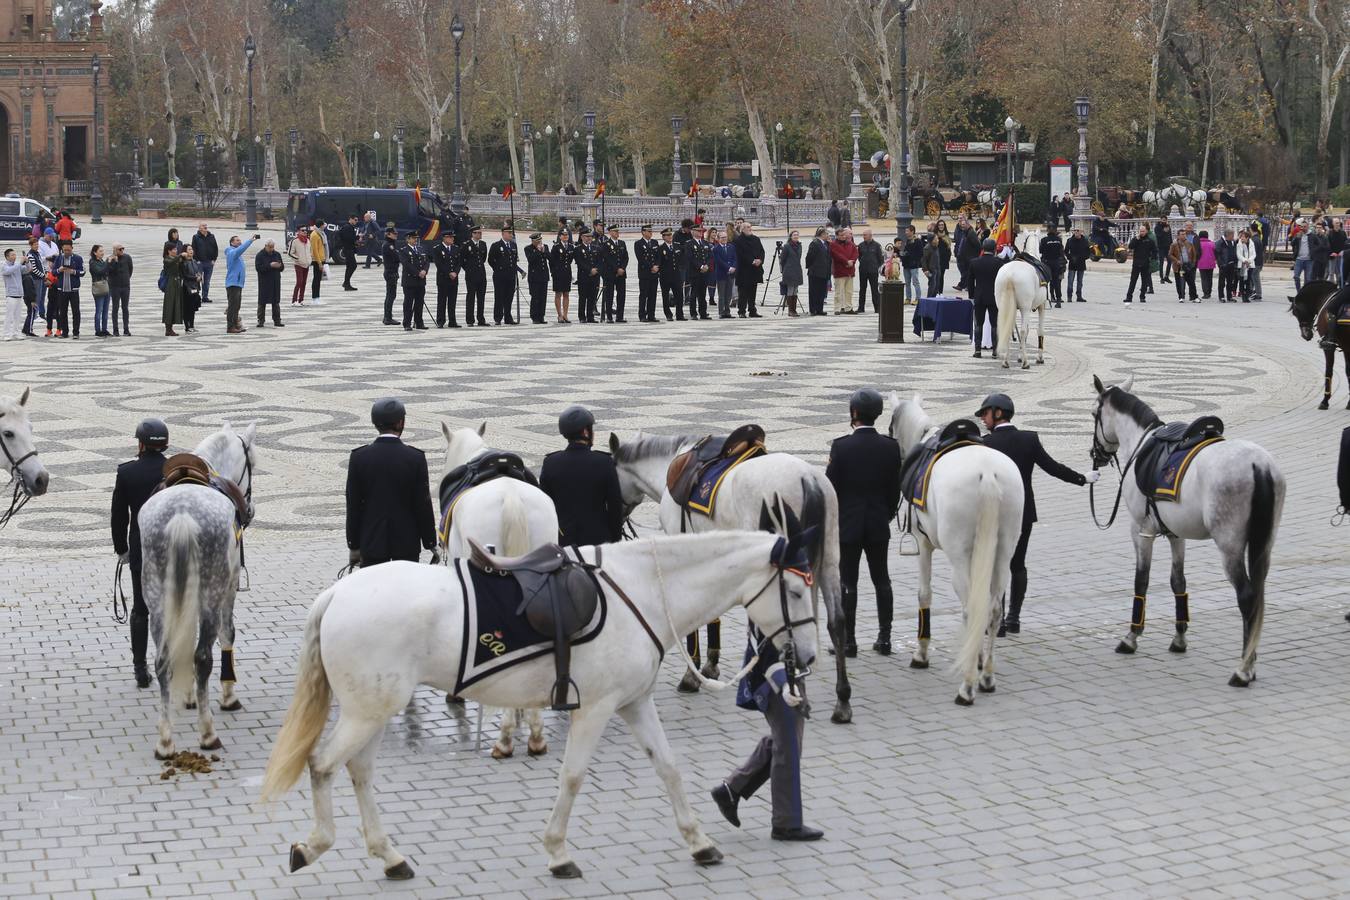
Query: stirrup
pixel 910 548
pixel 560 690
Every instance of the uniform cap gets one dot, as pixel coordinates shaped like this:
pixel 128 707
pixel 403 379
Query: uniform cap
pixel 997 401
pixel 153 433
pixel 387 412
pixel 536 236
pixel 666 231
pixel 646 228
pixel 575 420
pixel 866 402
pixel 614 228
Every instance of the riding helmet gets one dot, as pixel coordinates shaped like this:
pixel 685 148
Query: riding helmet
pixel 153 433
pixel 574 421
pixel 997 401
pixel 866 403
pixel 387 413
pixel 989 245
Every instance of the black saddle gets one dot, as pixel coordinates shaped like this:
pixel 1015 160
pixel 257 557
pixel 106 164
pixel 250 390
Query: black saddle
pixel 686 469
pixel 1163 458
pixel 1041 267
pixel 486 466
pixel 920 458
pixel 559 597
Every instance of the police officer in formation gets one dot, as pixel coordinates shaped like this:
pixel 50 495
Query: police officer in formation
pixel 671 289
pixel 697 264
pixel 390 260
pixel 647 253
pixel 1023 448
pixel 445 257
pixel 614 267
pixel 472 262
pixel 136 481
pixel 504 259
pixel 1052 254
pixel 587 259
pixel 536 263
pixel 414 261
pixel 389 513
pixel 583 484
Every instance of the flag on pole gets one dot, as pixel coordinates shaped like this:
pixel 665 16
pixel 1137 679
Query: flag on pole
pixel 600 189
pixel 788 193
pixel 1006 224
pixel 693 190
pixel 417 193
pixel 508 192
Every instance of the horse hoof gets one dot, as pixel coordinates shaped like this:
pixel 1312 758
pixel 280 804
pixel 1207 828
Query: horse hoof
pixel 168 754
pixel 1040 362
pixel 964 701
pixel 298 860
pixel 499 752
pixel 191 704
pixel 708 856
pixel 1238 681
pixel 536 751
pixel 1347 617
pixel 213 744
pixel 918 663
pixel 843 714
pixel 688 685
pixel 236 706
pixel 987 690
pixel 1324 405
pixel 400 872
pixel 1123 647
pixel 1026 366
pixel 1177 646
pixel 565 870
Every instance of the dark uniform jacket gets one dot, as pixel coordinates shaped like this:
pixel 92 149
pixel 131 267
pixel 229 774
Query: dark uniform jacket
pixel 390 259
pixel 1024 448
pixel 584 486
pixel 136 481
pixel 864 468
pixel 1343 469
pixel 414 262
pixel 472 260
pixel 445 257
pixel 1052 252
pixel 536 261
pixel 560 262
pixel 648 254
pixel 982 272
pixel 697 255
pixel 587 258
pixel 613 258
pixel 389 512
pixel 504 259
pixel 668 259
pixel 347 240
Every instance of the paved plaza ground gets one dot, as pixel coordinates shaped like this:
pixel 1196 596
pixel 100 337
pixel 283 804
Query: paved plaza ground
pixel 1087 773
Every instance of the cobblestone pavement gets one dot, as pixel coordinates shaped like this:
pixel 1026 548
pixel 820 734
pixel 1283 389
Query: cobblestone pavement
pixel 1087 773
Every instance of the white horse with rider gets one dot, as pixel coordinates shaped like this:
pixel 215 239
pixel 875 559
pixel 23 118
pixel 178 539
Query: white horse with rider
pixel 972 511
pixel 26 472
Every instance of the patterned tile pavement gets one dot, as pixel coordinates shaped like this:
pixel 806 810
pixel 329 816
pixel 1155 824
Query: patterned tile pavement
pixel 1087 773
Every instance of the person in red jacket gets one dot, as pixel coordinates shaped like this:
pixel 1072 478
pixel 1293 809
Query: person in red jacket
pixel 844 260
pixel 65 227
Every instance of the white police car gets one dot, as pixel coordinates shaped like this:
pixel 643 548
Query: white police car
pixel 18 215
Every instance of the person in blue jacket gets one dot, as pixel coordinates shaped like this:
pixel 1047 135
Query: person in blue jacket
pixel 234 282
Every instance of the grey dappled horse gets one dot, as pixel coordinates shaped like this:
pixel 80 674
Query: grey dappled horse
pixel 27 474
pixel 191 553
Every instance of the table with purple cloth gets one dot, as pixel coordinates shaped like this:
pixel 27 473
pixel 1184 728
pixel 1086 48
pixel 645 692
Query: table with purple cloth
pixel 950 314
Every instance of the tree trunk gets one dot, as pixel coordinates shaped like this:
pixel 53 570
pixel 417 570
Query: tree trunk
pixel 639 173
pixel 760 139
pixel 1345 133
pixel 830 160
pixel 337 148
pixel 1153 83
pixel 170 122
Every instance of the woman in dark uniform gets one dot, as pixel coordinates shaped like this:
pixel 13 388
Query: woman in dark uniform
pixel 560 266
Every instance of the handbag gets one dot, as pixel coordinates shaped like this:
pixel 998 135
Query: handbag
pixel 325 270
pixel 163 281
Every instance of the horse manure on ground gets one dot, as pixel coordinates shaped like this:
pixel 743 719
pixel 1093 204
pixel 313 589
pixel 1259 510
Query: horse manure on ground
pixel 768 374
pixel 187 761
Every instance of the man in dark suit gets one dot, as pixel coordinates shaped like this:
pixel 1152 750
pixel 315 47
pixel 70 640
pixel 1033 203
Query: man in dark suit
pixel 445 257
pixel 864 468
pixel 980 276
pixel 136 481
pixel 670 277
pixel 749 271
pixel 504 261
pixel 389 512
pixel 347 241
pixel 615 270
pixel 536 264
pixel 472 262
pixel 583 484
pixel 1023 448
pixel 588 262
pixel 818 270
pixel 647 252
pixel 414 262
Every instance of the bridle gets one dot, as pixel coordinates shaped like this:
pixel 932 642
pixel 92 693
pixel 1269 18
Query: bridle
pixel 1101 456
pixel 247 473
pixel 21 494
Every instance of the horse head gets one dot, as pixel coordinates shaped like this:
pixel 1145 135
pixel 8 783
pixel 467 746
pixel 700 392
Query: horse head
pixel 1115 405
pixel 908 420
pixel 462 444
pixel 232 454
pixel 642 463
pixel 16 440
pixel 1307 305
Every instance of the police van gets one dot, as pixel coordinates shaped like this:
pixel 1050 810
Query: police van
pixel 407 209
pixel 18 215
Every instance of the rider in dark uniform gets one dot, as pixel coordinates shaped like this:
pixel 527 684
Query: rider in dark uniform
pixel 583 484
pixel 1024 448
pixel 389 512
pixel 136 481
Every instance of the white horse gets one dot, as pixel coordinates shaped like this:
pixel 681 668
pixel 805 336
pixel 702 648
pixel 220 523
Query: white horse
pixel 1017 288
pixel 377 634
pixel 744 492
pixel 1233 494
pixel 973 512
pixel 511 516
pixel 28 475
pixel 190 545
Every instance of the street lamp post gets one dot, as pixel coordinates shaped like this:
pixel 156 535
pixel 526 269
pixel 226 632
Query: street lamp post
pixel 294 135
pixel 1012 125
pixel 777 160
pixel 856 193
pixel 136 162
pixel 1082 206
pixel 527 158
pixel 589 118
pixel 900 196
pixel 250 195
pixel 457 190
pixel 96 191
pixel 399 132
pixel 676 191
pixel 269 163
pixel 199 141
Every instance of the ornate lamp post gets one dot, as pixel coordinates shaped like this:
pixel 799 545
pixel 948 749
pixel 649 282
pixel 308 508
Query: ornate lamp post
pixel 399 132
pixel 199 141
pixel 856 193
pixel 150 160
pixel 250 196
pixel 136 162
pixel 457 191
pixel 1012 125
pixel 96 191
pixel 900 194
pixel 294 135
pixel 527 158
pixel 269 163
pixel 1082 205
pixel 589 118
pixel 676 189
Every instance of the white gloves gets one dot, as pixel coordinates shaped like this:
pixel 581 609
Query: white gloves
pixel 1093 476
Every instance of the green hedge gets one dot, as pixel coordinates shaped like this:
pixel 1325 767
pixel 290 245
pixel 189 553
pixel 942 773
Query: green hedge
pixel 1033 200
pixel 1340 197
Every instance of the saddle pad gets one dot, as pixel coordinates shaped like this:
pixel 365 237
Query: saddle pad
pixel 914 479
pixel 1343 321
pixel 703 496
pixel 1174 470
pixel 494 637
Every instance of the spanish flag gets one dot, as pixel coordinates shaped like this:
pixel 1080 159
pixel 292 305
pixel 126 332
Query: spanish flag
pixel 508 191
pixel 693 190
pixel 1006 224
pixel 417 193
pixel 788 192
pixel 600 189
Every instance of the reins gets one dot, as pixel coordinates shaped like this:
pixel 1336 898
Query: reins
pixel 119 597
pixel 21 495
pixel 1099 453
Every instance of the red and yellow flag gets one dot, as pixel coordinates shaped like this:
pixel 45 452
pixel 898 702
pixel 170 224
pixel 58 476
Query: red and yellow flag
pixel 1006 224
pixel 417 193
pixel 693 190
pixel 508 191
pixel 788 193
pixel 600 189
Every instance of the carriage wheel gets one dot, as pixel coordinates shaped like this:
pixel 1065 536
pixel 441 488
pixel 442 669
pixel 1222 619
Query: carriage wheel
pixel 883 210
pixel 970 210
pixel 1097 207
pixel 932 209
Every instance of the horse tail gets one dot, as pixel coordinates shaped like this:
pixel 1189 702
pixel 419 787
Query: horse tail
pixel 1005 294
pixel 1260 539
pixel 182 602
pixel 979 599
pixel 515 525
pixel 308 712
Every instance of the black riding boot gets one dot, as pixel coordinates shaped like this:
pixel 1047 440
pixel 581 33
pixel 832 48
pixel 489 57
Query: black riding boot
pixel 562 662
pixel 140 624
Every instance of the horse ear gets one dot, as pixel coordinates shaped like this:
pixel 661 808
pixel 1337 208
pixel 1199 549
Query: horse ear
pixel 895 399
pixel 1127 384
pixel 918 400
pixel 482 429
pixel 613 443
pixel 1097 383
pixel 23 398
pixel 249 433
pixel 445 432
pixel 765 520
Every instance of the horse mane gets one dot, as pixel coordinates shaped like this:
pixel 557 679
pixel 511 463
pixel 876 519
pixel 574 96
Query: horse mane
pixel 1132 406
pixel 645 446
